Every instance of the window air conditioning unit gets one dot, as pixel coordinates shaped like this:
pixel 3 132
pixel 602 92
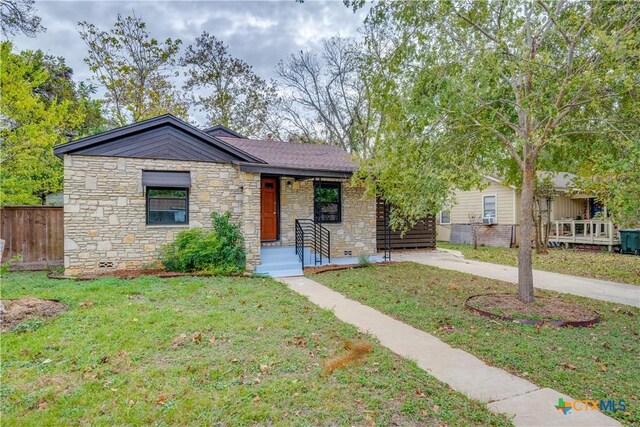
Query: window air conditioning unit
pixel 488 220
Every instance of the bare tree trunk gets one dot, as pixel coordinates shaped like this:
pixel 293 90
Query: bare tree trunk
pixel 525 266
pixel 547 225
pixel 537 222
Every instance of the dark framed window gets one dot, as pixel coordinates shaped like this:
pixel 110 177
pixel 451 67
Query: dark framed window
pixel 166 206
pixel 327 202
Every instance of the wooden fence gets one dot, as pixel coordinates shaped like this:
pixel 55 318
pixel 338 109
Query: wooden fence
pixel 35 233
pixel 422 236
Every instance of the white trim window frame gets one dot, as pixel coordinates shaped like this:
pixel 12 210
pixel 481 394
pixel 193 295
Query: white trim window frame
pixel 495 207
pixel 442 221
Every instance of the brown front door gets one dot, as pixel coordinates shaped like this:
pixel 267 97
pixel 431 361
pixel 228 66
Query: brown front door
pixel 269 209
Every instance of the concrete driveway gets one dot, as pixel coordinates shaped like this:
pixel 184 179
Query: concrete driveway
pixel 620 293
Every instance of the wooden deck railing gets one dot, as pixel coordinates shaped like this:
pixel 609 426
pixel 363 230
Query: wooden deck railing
pixel 593 232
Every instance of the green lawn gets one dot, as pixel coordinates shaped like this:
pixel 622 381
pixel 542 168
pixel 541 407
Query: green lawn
pixel 601 362
pixel 598 265
pixel 124 354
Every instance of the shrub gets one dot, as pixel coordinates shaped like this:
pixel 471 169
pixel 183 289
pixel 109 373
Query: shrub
pixel 218 251
pixel 363 260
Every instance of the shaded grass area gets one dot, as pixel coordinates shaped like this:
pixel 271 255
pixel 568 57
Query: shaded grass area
pixel 185 351
pixel 598 265
pixel 600 362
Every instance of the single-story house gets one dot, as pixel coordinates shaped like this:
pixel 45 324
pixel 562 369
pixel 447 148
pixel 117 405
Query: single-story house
pixel 497 206
pixel 128 191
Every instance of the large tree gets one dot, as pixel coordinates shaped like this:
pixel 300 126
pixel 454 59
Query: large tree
pixel 228 90
pixel 40 107
pixel 470 88
pixel 326 98
pixel 134 69
pixel 19 16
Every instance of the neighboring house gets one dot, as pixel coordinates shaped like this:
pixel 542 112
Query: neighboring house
pixel 128 191
pixel 497 206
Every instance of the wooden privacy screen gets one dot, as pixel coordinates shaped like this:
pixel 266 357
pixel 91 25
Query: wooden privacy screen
pixel 36 233
pixel 422 236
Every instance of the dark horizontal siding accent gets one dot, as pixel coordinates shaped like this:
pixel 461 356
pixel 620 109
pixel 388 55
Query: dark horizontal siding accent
pixel 421 236
pixel 165 142
pixel 166 179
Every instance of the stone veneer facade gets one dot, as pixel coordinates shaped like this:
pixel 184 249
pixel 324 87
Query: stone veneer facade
pixel 356 232
pixel 105 209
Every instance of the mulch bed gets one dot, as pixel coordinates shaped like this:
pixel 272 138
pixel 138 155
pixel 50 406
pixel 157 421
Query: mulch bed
pixel 325 268
pixel 132 274
pixel 19 310
pixel 544 311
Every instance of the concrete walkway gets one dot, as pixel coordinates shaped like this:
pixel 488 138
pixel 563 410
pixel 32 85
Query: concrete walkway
pixel 528 404
pixel 620 293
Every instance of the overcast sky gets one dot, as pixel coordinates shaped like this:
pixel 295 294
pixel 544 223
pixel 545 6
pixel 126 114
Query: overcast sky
pixel 259 32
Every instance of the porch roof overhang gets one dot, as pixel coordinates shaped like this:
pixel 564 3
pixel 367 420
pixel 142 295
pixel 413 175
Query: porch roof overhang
pixel 300 173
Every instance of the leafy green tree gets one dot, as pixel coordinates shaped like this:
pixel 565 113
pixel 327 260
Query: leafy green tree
pixel 233 95
pixel 472 88
pixel 19 16
pixel 135 70
pixel 60 85
pixel 614 178
pixel 36 114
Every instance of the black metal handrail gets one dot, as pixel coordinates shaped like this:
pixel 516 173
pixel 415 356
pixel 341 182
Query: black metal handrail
pixel 315 236
pixel 300 242
pixel 387 231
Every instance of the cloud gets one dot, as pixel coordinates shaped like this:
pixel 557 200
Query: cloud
pixel 259 32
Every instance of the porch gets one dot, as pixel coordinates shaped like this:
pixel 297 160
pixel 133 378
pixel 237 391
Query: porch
pixel 285 261
pixel 585 232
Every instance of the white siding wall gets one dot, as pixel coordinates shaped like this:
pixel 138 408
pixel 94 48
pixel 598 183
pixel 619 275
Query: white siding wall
pixel 470 202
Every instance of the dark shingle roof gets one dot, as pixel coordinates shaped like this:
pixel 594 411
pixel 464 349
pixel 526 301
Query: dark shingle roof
pixel 298 156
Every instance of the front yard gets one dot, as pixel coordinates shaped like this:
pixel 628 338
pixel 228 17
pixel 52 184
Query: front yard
pixel 228 351
pixel 600 362
pixel 598 265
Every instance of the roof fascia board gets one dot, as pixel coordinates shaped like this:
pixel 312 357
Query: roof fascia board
pixel 72 146
pixel 292 172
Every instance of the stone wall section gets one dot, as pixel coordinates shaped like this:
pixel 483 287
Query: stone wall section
pixel 105 210
pixel 356 232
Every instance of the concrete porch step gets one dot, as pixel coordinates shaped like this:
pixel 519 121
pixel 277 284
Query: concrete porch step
pixel 283 265
pixel 286 273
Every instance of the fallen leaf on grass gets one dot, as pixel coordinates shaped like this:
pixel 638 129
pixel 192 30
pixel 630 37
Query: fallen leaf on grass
pixel 256 399
pixel 197 338
pixel 356 352
pixel 264 368
pixel 161 400
pixel 42 406
pixel 180 340
pixel 569 366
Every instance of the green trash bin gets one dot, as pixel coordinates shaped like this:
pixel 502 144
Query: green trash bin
pixel 630 241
